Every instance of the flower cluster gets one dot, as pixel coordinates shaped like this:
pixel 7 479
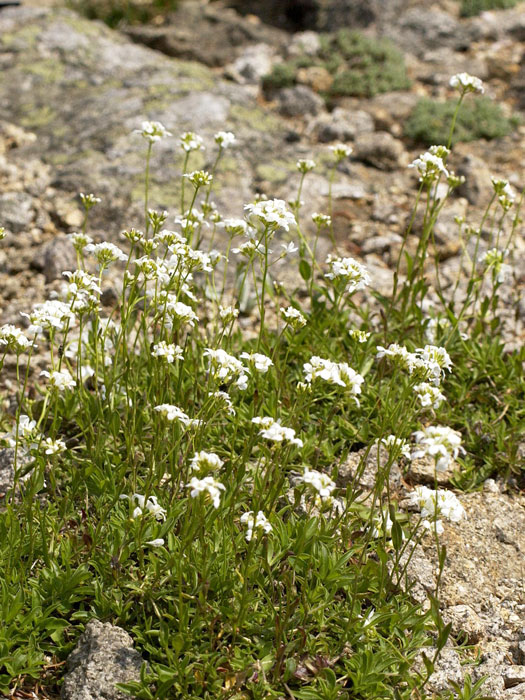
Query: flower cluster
pixel 429 395
pixel 272 213
pixel 466 83
pixel 13 338
pixel 349 270
pixel 293 317
pixel 274 431
pixel 59 380
pixel 207 461
pixel 168 351
pixel 428 363
pixel 259 521
pixel 439 442
pixel 171 413
pixel 493 260
pixel 208 486
pixel 431 164
pixel 261 363
pixel 151 505
pixel 152 131
pixel 396 446
pixel 191 142
pixel 339 373
pixel 225 368
pixel 224 139
pixel 341 151
pixel 434 504
pixel 322 483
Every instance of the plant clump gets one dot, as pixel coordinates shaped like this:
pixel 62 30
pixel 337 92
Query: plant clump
pixel 115 12
pixel 481 118
pixel 361 66
pixel 470 8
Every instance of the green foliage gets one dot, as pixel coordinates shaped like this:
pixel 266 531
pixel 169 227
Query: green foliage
pixel 113 12
pixel 478 118
pixel 469 8
pixel 115 524
pixel 361 66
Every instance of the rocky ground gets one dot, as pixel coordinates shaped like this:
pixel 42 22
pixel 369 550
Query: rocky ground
pixel 72 91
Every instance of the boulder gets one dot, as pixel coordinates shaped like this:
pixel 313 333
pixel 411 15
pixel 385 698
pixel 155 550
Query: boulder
pixel 103 656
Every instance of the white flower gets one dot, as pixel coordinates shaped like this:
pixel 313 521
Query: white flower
pixel 89 200
pixel 205 460
pixel 272 213
pixel 436 526
pixel 106 252
pixel 235 227
pixel 382 525
pixel 466 83
pixel 304 165
pixel 191 142
pixel 181 312
pixel 322 483
pixel 53 447
pixel 293 317
pixel 171 413
pixel 223 396
pixel 224 138
pixel 80 241
pixel 50 315
pixel 428 395
pixel 437 503
pixel 228 313
pixel 13 338
pixel 152 131
pixel 60 380
pixel 339 373
pixel 27 431
pixel 151 505
pixel 225 367
pixel 322 220
pixel 289 248
pixel 261 362
pixel 199 178
pixel 396 445
pixel 431 164
pixel 341 151
pixel 169 351
pixel 274 431
pixel 349 270
pixel 358 335
pixel 251 522
pixel 493 260
pixel 429 363
pixel 209 486
pixel 439 442
pixel 159 542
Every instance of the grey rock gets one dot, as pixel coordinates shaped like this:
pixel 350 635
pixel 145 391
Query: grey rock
pixel 477 187
pixel 55 257
pixel 447 668
pixel 254 62
pixel 343 125
pixel 382 244
pixel 423 471
pixel 7 467
pixel 381 150
pixel 16 211
pixel 199 31
pixel 104 656
pixel 467 626
pixel 298 101
pixel 514 675
pixel 364 468
pixel 420 28
pixel 307 42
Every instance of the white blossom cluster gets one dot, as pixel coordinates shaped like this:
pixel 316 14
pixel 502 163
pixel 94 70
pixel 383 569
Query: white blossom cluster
pixel 13 339
pixel 439 442
pixel 319 481
pixel 493 260
pixel 273 430
pixel 434 504
pixel 272 213
pixel 261 363
pixel 171 413
pixel 252 523
pixel 207 461
pixel 151 505
pixel 208 486
pixel 293 317
pixel 464 82
pixel 225 367
pixel 349 270
pixel 339 373
pixel 428 363
pixel 431 164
